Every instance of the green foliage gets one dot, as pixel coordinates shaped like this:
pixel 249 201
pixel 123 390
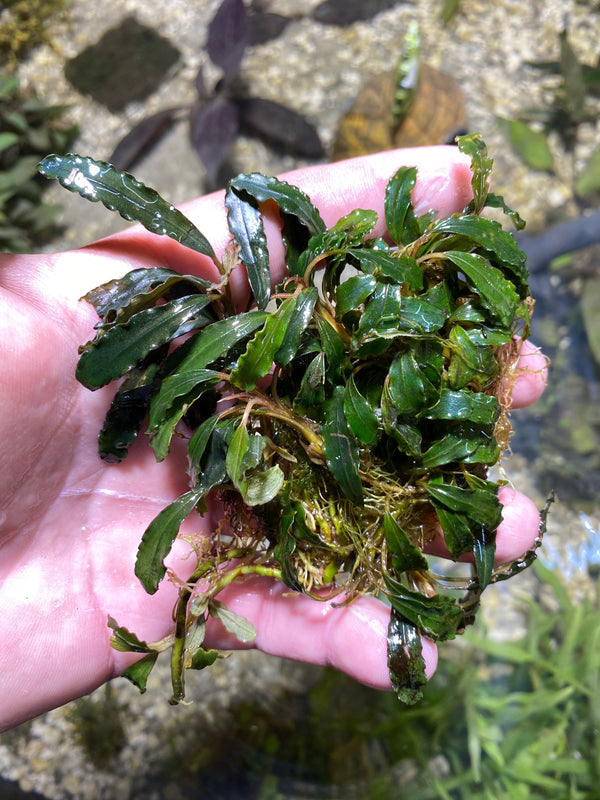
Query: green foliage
pixel 570 108
pixel 23 25
pixel 359 414
pixel 28 129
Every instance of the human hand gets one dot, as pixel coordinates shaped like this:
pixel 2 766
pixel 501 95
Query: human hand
pixel 70 524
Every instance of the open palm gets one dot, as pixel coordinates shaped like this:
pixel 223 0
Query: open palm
pixel 70 524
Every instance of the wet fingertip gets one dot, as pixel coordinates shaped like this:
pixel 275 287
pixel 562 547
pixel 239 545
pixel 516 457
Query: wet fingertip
pixel 519 527
pixel 531 377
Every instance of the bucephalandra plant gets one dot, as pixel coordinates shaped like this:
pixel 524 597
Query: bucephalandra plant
pixel 343 418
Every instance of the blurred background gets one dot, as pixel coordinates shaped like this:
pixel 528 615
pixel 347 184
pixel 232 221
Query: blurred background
pixel 191 92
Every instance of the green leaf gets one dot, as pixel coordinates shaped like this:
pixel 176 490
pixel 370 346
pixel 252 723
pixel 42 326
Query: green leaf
pixel 469 360
pixel 420 316
pixel 438 616
pixel 399 268
pixel 235 624
pixel 465 405
pixel 468 445
pixel 497 294
pixel 121 192
pixel 406 555
pixel 484 551
pixel 246 226
pixel 481 168
pixel 123 346
pixel 199 441
pixel 126 641
pixel 360 416
pixel 588 181
pixel 333 347
pixel 235 453
pixel 139 672
pixel 457 529
pixel 261 487
pixel 382 311
pixel 480 505
pixel 286 542
pixel 400 217
pixel 138 289
pixel 352 293
pixel 297 324
pixel 204 658
pixel 530 145
pixel 405 660
pixel 340 448
pixel 415 384
pixel 258 359
pixel 7 139
pixel 158 539
pixel 311 394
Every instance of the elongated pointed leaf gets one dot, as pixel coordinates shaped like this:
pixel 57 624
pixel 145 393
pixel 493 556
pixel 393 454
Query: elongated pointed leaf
pixel 340 449
pixel 246 225
pixel 481 505
pixel 297 324
pixel 352 293
pixel 333 347
pixel 406 555
pixel 280 126
pixel 399 213
pixel 497 294
pixel 311 394
pixel 398 268
pixel 465 405
pixel 258 359
pixel 438 616
pixel 236 452
pixel 124 640
pixel 457 529
pixel 214 126
pixel 234 623
pixel 529 144
pixel 413 385
pixel 124 346
pixel 360 416
pixel 469 445
pixel 139 672
pixel 484 551
pixel 121 192
pixel 481 168
pixel 228 36
pixel 158 539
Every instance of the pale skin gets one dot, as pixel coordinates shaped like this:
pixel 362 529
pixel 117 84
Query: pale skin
pixel 70 524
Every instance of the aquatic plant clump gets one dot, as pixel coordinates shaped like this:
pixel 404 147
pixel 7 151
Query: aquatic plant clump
pixel 345 418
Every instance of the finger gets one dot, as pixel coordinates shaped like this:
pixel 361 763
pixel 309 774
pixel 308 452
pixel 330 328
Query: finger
pixel 352 638
pixel 531 376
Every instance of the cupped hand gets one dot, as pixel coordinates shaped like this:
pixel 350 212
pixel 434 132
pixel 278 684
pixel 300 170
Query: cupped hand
pixel 70 524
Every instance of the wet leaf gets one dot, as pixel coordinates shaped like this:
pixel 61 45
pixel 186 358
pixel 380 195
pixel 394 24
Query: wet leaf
pixel 467 445
pixel 399 268
pixel 406 555
pixel 204 658
pixel 236 452
pixel 360 416
pixel 481 167
pixel 228 37
pixel 296 325
pixel 258 359
pixel 126 641
pixel 311 394
pixel 413 385
pixel 245 223
pixel 121 192
pixel 340 449
pixel 333 348
pixel 529 144
pixel 214 126
pixel 481 505
pixel 234 623
pixel 399 213
pixel 158 539
pixel 124 346
pixel 280 126
pixel 438 616
pixel 484 551
pixel 261 487
pixel 405 661
pixel 286 545
pixel 352 293
pixel 465 405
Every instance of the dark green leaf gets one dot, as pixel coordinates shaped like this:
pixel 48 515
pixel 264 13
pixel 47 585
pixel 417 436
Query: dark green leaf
pixel 125 641
pixel 258 359
pixel 126 413
pixel 469 446
pixel 420 316
pixel 297 324
pixel 158 539
pixel 480 505
pixel 311 394
pixel 465 405
pixel 497 294
pixel 333 347
pixel 246 225
pixel 290 199
pixel 400 268
pixel 204 658
pixel 120 191
pixel 286 544
pixel 469 361
pixel 438 617
pixel 138 289
pixel 489 235
pixel 399 213
pixel 139 672
pixel 199 441
pixel 484 551
pixel 405 661
pixel 123 346
pixel 414 385
pixel 406 555
pixel 382 312
pixel 340 448
pixel 352 293
pixel 236 452
pixel 481 168
pixel 458 533
pixel 360 416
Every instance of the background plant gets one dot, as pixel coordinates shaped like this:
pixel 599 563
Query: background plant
pixel 24 24
pixel 28 130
